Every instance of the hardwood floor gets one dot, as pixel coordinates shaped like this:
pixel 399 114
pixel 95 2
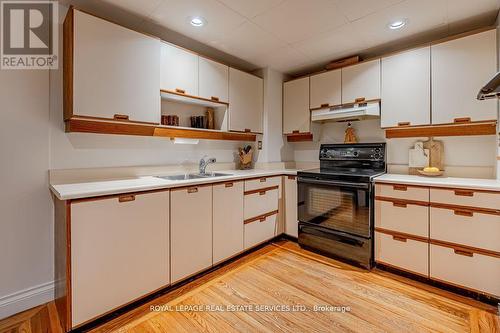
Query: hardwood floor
pixel 283 274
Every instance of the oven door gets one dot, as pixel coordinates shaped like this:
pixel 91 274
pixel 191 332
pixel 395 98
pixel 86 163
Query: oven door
pixel 335 205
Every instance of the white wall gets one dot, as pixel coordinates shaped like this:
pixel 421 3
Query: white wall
pixel 464 156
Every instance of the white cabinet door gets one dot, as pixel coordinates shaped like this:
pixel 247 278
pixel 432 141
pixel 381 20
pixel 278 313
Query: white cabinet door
pixel 191 231
pixel 119 251
pixel 291 225
pixel 214 80
pixel 361 81
pixel 296 114
pixel 459 69
pixel 179 70
pixel 227 220
pixel 246 102
pixel 115 71
pixel 326 89
pixel 406 88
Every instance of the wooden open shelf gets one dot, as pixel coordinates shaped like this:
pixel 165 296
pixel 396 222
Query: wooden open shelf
pixel 299 137
pixel 478 128
pixel 190 99
pixel 83 125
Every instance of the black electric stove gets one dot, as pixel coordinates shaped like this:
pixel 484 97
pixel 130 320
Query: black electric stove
pixel 335 202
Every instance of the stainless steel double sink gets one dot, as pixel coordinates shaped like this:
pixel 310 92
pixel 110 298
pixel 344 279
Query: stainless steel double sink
pixel 188 176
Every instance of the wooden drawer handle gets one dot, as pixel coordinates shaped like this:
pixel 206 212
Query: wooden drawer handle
pixel 325 105
pixel 292 177
pixel 400 204
pixel 192 190
pixel 180 91
pixel 463 253
pixel 359 99
pixel 399 239
pixel 404 123
pixel 120 117
pixel 262 180
pixel 295 132
pixel 262 219
pixel 214 98
pixel 462 120
pixel 400 188
pixel 262 193
pixel 247 130
pixel 464 213
pixel 464 193
pixel 126 198
pixel 228 184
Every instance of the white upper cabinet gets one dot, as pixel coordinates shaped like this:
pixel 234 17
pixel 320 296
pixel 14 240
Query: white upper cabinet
pixel 179 70
pixel 246 102
pixel 460 68
pixel 296 114
pixel 326 89
pixel 361 81
pixel 214 80
pixel 406 88
pixel 116 72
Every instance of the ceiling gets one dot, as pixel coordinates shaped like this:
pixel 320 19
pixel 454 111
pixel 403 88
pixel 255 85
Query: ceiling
pixel 294 36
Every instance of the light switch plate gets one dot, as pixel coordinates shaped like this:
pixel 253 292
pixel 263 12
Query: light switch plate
pixel 259 145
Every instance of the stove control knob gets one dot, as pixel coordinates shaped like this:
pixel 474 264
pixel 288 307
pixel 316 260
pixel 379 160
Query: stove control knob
pixel 377 150
pixel 377 156
pixel 355 154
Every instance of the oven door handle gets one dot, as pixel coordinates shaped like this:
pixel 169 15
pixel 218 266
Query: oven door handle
pixel 332 183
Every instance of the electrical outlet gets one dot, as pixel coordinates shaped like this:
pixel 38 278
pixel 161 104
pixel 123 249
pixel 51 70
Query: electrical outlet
pixel 259 145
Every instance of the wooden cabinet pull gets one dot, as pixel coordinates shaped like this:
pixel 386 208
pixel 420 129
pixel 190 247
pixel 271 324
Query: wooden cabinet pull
pixel 262 219
pixel 228 184
pixel 399 204
pixel 462 120
pixel 464 193
pixel 262 180
pixel 399 239
pixel 359 99
pixel 262 193
pixel 120 117
pixel 295 132
pixel 126 198
pixel 180 91
pixel 192 190
pixel 325 105
pixel 247 130
pixel 464 213
pixel 400 188
pixel 463 253
pixel 214 98
pixel 292 177
pixel 404 123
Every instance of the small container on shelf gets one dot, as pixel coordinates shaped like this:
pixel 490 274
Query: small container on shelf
pixel 170 120
pixel 198 122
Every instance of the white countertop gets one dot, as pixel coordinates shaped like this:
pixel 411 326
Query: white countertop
pixel 109 187
pixel 471 183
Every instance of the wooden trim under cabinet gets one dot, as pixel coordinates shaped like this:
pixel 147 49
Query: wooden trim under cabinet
pixel 401 202
pixel 299 137
pixel 261 190
pixel 401 235
pixel 181 92
pixel 466 209
pixel 456 129
pixel 465 249
pixel 68 56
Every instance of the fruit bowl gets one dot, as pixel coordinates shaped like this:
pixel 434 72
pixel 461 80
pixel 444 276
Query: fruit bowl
pixel 431 173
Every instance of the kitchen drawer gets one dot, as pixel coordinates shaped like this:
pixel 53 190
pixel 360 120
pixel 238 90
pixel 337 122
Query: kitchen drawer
pixel 466 227
pixel 478 272
pixel 397 216
pixel 261 202
pixel 400 191
pixel 407 254
pixel 260 230
pixel 258 183
pixel 465 197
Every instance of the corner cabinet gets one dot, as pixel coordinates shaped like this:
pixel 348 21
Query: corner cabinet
pixel 179 70
pixel 110 72
pixel 406 89
pixel 119 251
pixel 361 81
pixel 296 114
pixel 246 102
pixel 460 67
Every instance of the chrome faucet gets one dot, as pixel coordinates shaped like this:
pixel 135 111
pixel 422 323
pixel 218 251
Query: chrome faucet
pixel 204 162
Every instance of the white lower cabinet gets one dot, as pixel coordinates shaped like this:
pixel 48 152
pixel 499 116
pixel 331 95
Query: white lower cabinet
pixel 191 231
pixel 227 220
pixel 119 251
pixel 402 217
pixel 291 219
pixel 259 230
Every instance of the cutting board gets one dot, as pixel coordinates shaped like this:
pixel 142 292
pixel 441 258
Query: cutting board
pixel 418 158
pixel 436 151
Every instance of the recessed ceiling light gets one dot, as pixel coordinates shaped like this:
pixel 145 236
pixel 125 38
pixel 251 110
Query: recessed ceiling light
pixel 197 21
pixel 397 24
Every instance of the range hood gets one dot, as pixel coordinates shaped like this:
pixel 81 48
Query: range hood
pixel 491 89
pixel 347 113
